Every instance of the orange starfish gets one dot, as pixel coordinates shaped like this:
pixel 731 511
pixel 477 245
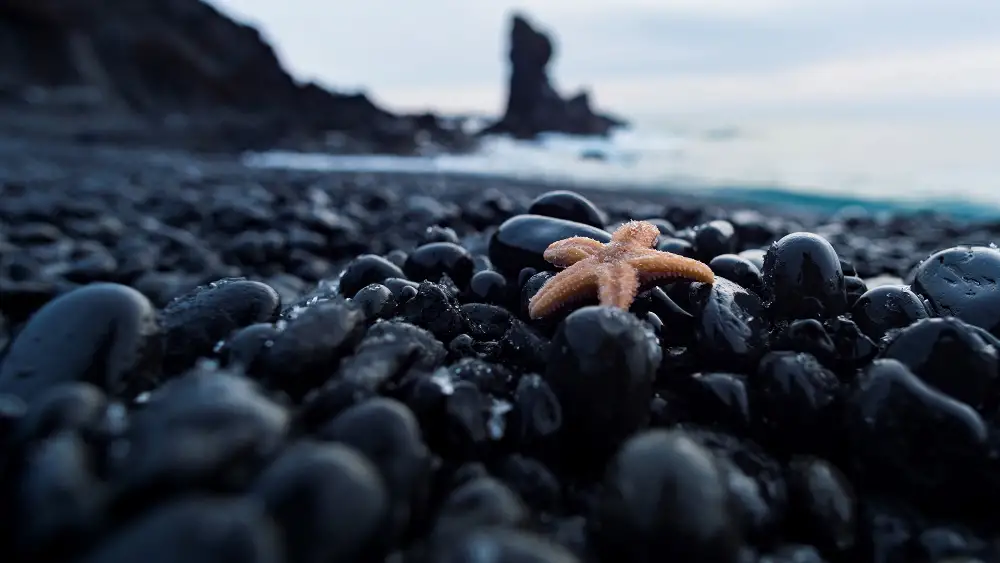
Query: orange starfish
pixel 614 271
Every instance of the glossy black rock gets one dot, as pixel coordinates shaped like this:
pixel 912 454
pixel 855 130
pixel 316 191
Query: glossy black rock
pixel 367 269
pixel 601 365
pixel 195 323
pixel 430 261
pixel 803 278
pixel 730 331
pixel 571 206
pixel 887 307
pixel 739 270
pixel 520 241
pixel 963 282
pixel 640 521
pixel 952 356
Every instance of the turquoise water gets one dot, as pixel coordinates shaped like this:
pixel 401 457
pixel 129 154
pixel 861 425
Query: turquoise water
pixel 945 166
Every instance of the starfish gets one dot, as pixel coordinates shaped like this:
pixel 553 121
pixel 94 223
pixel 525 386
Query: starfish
pixel 613 271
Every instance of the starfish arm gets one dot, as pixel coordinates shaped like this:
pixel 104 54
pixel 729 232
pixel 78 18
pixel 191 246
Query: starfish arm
pixel 573 283
pixel 569 251
pixel 617 285
pixel 659 265
pixel 637 233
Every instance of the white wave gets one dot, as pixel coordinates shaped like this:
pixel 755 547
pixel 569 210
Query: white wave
pixel 895 162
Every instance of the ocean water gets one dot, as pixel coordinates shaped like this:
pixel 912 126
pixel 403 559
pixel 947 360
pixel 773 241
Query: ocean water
pixel 947 166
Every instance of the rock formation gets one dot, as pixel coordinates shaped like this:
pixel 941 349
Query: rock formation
pixel 178 68
pixel 533 105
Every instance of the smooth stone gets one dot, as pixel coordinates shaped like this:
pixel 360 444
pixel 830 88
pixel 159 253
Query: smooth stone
pixel 740 271
pixel 104 334
pixel 665 499
pixel 571 206
pixel 489 287
pixel 887 307
pixel 714 239
pixel 601 365
pixel 195 323
pixel 910 438
pixel 329 502
pixel 953 357
pixel 730 332
pixel 430 261
pixel 962 282
pixel 367 269
pixel 803 277
pixel 195 530
pixel 521 240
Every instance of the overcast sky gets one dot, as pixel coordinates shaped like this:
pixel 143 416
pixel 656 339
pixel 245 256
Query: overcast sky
pixel 650 57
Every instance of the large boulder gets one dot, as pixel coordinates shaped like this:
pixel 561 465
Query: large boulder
pixel 180 67
pixel 533 105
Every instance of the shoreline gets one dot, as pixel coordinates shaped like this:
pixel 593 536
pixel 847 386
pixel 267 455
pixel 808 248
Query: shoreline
pixel 765 199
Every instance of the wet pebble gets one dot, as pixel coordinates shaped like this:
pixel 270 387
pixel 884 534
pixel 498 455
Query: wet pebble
pixel 962 282
pixel 906 436
pixel 328 501
pixel 730 331
pixel 601 366
pixel 388 434
pixel 367 269
pixel 207 429
pixel 431 261
pixel 952 357
pixel 664 497
pixel 713 239
pixel 803 277
pixel 520 241
pixel 308 351
pixel 194 323
pixel 739 270
pixel 571 206
pixel 105 334
pixel 197 530
pixel 885 308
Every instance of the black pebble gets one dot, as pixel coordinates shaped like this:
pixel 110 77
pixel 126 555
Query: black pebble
pixel 194 324
pixel 962 282
pixel 481 502
pixel 601 365
pixel 195 530
pixel 714 239
pixel 738 270
pixel 61 500
pixel 499 545
pixel 887 307
pixel 489 287
pixel 953 357
pixel 206 429
pixel 793 397
pixel 823 504
pixel 910 438
pixel 308 351
pixel 367 269
pixel 803 278
pixel 676 246
pixel 329 502
pixel 247 345
pixel 387 433
pixel 105 334
pixel 665 499
pixel 568 205
pixel 376 301
pixel 430 261
pixel 730 331
pixel 520 241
